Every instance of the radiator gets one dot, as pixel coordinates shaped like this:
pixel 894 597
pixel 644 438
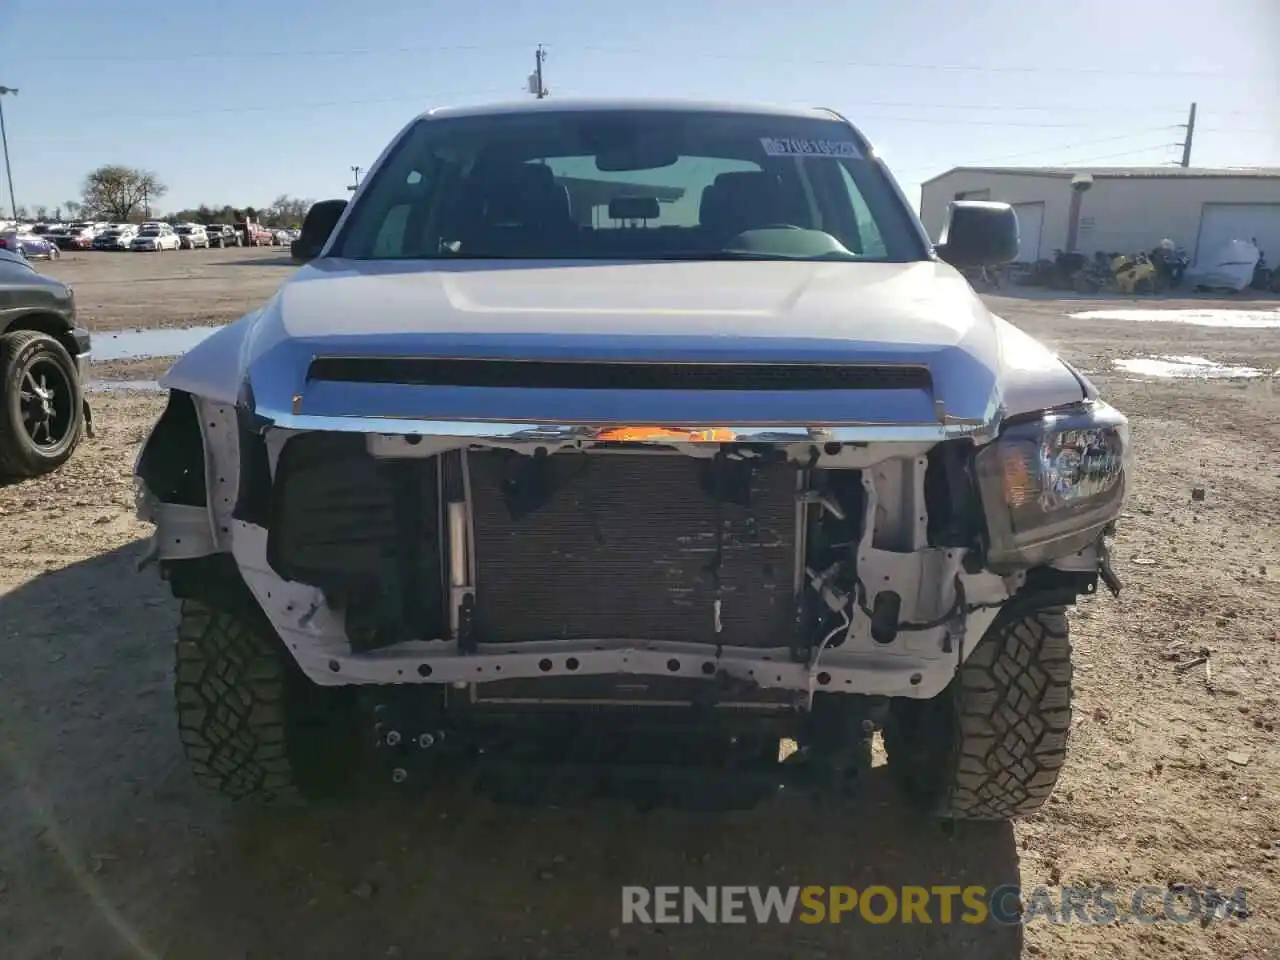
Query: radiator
pixel 634 546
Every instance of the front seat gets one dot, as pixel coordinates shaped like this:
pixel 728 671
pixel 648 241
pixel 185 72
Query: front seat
pixel 740 201
pixel 518 210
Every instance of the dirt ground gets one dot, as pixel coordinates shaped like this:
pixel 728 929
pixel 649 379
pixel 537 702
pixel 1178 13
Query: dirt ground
pixel 108 849
pixel 175 288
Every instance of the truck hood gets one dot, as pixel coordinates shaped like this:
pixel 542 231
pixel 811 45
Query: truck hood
pixel 750 312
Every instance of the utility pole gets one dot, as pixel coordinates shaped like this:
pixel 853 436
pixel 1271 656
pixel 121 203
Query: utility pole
pixel 1190 127
pixel 536 86
pixel 146 203
pixel 4 139
pixel 355 174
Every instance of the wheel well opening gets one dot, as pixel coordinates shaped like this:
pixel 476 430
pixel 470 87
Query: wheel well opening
pixel 51 324
pixel 172 462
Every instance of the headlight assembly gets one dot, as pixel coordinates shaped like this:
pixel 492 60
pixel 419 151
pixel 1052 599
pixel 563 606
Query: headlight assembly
pixel 1049 486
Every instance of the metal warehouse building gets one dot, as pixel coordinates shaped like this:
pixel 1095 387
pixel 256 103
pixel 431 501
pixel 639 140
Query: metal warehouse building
pixel 1121 209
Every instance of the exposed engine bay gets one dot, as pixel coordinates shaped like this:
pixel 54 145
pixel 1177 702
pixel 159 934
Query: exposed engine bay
pixel 698 599
pixel 785 568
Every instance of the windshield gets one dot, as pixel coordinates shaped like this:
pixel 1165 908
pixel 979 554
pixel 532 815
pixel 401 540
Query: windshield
pixel 630 184
pixel 182 229
pixel 149 232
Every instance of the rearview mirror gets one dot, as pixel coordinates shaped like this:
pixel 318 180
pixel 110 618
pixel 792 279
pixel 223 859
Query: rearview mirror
pixel 319 223
pixel 979 233
pixel 634 157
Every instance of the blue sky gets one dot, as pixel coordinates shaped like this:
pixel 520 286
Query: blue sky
pixel 237 101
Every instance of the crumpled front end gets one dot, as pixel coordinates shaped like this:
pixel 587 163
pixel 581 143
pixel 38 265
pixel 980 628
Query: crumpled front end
pixel 782 552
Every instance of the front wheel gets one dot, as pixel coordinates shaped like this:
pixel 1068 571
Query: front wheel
pixel 41 406
pixel 991 745
pixel 251 725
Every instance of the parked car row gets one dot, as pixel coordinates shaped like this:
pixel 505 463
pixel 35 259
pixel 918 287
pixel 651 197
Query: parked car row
pixel 47 240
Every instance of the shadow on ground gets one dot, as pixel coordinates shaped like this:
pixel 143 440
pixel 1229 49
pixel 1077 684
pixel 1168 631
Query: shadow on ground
pixel 108 849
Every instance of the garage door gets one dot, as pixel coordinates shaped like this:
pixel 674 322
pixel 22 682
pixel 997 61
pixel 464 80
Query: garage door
pixel 1220 223
pixel 1030 223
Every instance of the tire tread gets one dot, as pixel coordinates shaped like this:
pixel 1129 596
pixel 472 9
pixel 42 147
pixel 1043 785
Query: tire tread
pixel 1009 724
pixel 230 691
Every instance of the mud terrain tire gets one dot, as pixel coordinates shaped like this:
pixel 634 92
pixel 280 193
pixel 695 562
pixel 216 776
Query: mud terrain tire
pixel 990 746
pixel 252 726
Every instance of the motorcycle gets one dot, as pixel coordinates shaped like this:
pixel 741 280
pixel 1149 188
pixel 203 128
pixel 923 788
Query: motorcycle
pixel 1171 265
pixel 1063 269
pixel 1134 274
pixel 1094 276
pixel 1118 273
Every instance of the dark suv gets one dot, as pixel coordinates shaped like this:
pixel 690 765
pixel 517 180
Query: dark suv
pixel 223 235
pixel 44 354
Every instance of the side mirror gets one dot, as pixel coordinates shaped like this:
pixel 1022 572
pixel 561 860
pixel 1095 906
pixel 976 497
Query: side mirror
pixel 319 223
pixel 979 233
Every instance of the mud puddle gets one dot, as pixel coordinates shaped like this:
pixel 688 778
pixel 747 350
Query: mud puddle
pixel 1193 368
pixel 1238 319
pixel 146 344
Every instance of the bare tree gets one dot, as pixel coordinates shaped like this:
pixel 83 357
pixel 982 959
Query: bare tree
pixel 287 211
pixel 115 192
pixel 73 208
pixel 42 212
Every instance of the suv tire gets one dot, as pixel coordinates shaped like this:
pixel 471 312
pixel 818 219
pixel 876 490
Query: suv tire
pixel 24 355
pixel 991 745
pixel 252 726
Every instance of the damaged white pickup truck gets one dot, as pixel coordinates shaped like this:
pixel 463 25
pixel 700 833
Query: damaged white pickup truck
pixel 601 448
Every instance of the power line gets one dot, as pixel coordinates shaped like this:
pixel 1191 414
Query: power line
pixel 1033 108
pixel 1069 147
pixel 1271 131
pixel 899 65
pixel 435 97
pixel 1063 148
pixel 241 53
pixel 1116 156
pixel 427 101
pixel 965 122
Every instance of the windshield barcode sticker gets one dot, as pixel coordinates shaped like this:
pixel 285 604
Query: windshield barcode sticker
pixel 800 147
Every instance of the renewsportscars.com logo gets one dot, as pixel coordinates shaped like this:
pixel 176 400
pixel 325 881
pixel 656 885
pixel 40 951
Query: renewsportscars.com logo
pixel 944 904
